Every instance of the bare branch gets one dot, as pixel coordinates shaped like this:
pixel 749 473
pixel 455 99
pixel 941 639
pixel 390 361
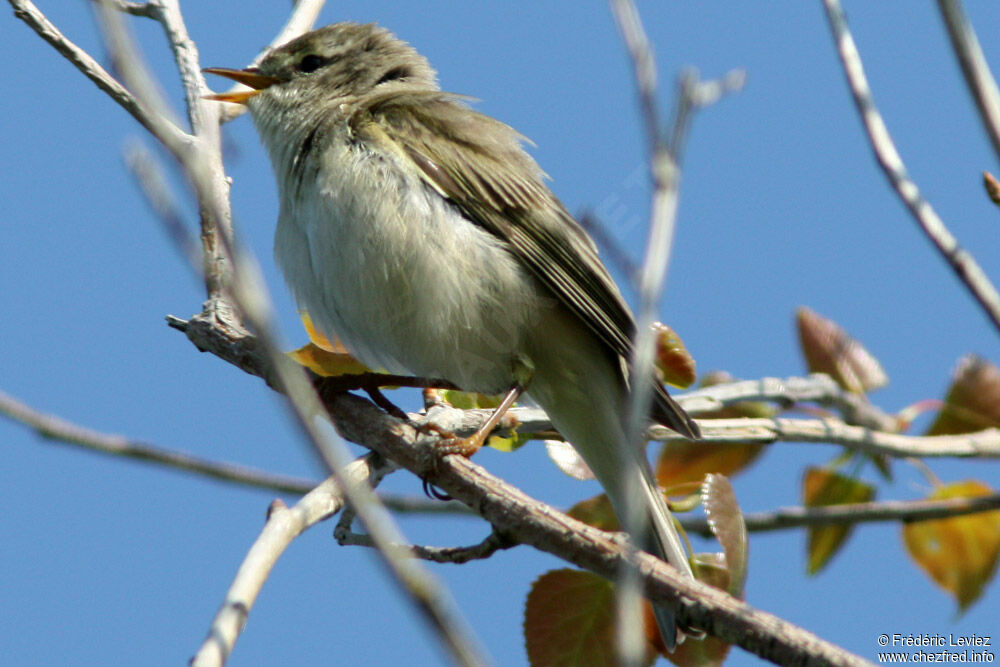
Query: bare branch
pixel 883 511
pixel 454 555
pixel 203 117
pixel 145 9
pixel 960 260
pixel 665 171
pixel 283 525
pixel 977 73
pixel 36 20
pixel 788 392
pixel 55 428
pixel 153 185
pixel 982 444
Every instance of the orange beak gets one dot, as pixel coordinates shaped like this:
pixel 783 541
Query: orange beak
pixel 250 76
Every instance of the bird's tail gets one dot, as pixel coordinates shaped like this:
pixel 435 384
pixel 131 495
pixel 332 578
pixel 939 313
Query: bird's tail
pixel 666 411
pixel 663 541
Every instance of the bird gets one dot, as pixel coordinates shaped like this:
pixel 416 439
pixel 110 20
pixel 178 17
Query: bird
pixel 420 233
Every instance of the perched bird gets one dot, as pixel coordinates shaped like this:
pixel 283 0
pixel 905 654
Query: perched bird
pixel 420 233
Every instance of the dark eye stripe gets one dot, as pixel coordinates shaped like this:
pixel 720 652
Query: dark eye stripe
pixel 394 74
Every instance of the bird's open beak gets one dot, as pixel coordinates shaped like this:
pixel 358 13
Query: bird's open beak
pixel 250 76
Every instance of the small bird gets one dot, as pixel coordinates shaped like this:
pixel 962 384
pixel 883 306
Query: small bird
pixel 420 233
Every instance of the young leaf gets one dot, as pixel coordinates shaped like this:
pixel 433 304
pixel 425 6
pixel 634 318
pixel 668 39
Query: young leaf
pixel 822 487
pixel 973 399
pixel 327 364
pixel 728 526
pixel 568 459
pixel 596 512
pixel 569 620
pixel 959 553
pixel 673 361
pixel 829 349
pixel 684 462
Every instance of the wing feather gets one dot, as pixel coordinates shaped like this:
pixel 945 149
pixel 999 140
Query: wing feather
pixel 478 164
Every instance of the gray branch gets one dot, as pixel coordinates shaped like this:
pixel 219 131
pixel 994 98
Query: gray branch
pixel 960 260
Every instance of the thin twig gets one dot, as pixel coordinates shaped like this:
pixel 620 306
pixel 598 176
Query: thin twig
pixel 789 392
pixel 36 20
pixel 57 429
pixel 155 188
pixel 454 555
pixel 146 9
pixel 651 281
pixel 981 444
pixel 200 161
pixel 665 156
pixel 977 73
pixel 283 525
pixel 613 251
pixel 882 511
pixel 960 260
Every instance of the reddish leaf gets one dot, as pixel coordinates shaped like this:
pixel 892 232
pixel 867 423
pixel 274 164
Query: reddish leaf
pixel 569 620
pixel 685 462
pixel 711 569
pixel 821 487
pixel 596 512
pixel 675 363
pixel 959 553
pixel 728 526
pixel 973 400
pixel 829 349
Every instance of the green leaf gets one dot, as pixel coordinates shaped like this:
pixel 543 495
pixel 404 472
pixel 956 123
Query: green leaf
pixel 821 487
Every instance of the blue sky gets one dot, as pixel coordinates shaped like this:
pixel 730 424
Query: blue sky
pixel 781 206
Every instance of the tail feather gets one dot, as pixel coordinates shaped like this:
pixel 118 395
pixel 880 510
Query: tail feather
pixel 664 542
pixel 667 412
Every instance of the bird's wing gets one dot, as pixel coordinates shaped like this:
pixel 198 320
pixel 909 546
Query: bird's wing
pixel 478 164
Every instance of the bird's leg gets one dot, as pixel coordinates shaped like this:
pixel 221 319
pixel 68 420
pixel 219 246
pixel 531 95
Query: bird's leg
pixel 468 446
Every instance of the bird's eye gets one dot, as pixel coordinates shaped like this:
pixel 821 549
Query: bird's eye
pixel 310 63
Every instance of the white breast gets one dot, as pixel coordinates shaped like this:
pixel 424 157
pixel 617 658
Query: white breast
pixel 399 275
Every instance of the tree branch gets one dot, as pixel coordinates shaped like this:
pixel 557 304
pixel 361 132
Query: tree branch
pixel 283 525
pixel 455 555
pixel 515 514
pixel 883 511
pixel 982 444
pixel 977 74
pixel 960 260
pixel 36 20
pixel 55 428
